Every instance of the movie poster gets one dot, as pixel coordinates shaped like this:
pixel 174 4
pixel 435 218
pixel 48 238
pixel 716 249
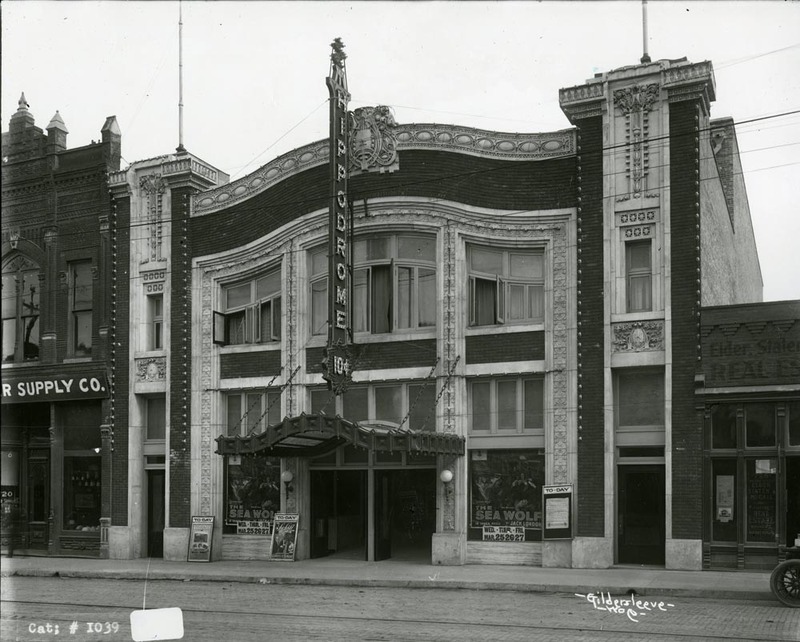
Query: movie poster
pixel 506 488
pixel 253 492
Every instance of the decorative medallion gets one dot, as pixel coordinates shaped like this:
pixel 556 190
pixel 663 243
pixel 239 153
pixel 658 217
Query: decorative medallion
pixel 151 369
pixel 638 336
pixel 373 144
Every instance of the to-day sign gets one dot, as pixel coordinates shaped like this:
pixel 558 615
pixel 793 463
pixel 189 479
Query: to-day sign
pixel 54 388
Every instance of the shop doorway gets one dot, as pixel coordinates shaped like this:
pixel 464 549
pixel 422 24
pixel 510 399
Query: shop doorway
pixel 640 511
pixel 339 513
pixel 155 513
pixel 403 515
pixel 38 498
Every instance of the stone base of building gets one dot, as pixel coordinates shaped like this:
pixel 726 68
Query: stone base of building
pixel 448 549
pixel 684 554
pixel 592 552
pixel 557 554
pixel 176 544
pixel 122 543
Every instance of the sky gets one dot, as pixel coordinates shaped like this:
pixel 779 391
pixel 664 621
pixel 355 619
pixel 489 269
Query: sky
pixel 254 77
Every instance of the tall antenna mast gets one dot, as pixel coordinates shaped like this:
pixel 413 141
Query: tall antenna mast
pixel 645 56
pixel 180 148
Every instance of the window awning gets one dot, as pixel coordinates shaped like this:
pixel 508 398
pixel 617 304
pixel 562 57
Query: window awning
pixel 314 435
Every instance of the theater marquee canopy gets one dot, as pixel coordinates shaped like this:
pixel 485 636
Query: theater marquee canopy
pixel 314 435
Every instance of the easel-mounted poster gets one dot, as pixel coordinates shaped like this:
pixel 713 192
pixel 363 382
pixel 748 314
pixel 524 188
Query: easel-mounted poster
pixel 284 537
pixel 200 538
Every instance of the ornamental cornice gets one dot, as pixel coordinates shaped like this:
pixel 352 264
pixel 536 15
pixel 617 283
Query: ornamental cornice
pixel 582 101
pixel 691 82
pixel 485 143
pixel 451 138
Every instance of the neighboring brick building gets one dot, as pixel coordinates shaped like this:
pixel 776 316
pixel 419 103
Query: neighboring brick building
pixel 749 392
pixel 525 312
pixel 57 284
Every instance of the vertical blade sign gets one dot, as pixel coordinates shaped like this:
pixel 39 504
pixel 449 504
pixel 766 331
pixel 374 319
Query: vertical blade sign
pixel 336 365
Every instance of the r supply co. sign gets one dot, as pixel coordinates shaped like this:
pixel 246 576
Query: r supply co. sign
pixel 54 388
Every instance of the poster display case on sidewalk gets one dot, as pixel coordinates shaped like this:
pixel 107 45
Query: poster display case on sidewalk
pixel 200 539
pixel 557 507
pixel 284 537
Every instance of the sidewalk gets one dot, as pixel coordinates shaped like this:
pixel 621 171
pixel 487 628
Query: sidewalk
pixel 744 585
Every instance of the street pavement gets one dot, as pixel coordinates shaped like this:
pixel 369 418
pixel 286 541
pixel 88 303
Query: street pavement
pixel 333 571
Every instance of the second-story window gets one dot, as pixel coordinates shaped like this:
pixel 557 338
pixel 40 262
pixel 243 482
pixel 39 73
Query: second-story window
pixel 21 293
pixel 394 284
pixel 250 412
pixel 639 273
pixel 505 286
pixel 155 304
pixel 80 303
pixel 252 311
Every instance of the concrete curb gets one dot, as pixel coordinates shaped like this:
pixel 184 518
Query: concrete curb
pixel 644 591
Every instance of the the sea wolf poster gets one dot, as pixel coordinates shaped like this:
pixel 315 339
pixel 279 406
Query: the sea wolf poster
pixel 253 490
pixel 506 489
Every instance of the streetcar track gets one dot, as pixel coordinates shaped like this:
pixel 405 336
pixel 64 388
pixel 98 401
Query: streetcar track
pixel 393 620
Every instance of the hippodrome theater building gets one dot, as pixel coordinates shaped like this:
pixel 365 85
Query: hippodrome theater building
pixel 404 333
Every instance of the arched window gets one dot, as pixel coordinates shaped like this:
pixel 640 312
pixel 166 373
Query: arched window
pixel 21 296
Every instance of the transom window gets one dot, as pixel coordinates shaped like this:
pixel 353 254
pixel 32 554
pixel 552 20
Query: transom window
pixel 394 284
pixel 506 406
pixel 252 311
pixel 505 286
pixel 383 404
pixel 250 412
pixel 21 292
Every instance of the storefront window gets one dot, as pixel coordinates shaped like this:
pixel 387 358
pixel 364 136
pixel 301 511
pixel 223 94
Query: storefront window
pixel 723 426
pixel 82 466
pixel 252 493
pixel 760 424
pixel 726 516
pixel 9 489
pixel 761 500
pixel 506 491
pixel 793 410
pixel 82 493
